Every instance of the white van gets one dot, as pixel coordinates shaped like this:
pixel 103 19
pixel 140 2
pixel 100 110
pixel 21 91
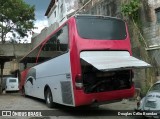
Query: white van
pixel 12 84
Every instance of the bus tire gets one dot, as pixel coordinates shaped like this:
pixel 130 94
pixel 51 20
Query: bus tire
pixel 49 98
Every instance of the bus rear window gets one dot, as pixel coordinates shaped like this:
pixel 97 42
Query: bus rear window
pixel 101 28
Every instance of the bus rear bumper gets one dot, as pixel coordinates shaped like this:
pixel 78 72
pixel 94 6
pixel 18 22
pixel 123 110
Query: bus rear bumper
pixel 82 98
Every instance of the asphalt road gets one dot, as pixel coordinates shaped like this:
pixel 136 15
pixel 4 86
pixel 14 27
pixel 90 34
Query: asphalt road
pixel 16 103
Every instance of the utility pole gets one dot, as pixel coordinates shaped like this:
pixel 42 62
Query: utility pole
pixel 1 80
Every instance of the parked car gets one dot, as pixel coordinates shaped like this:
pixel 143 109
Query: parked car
pixel 150 104
pixel 11 84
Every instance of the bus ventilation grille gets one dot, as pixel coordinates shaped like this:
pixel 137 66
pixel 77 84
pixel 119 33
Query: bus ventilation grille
pixel 66 92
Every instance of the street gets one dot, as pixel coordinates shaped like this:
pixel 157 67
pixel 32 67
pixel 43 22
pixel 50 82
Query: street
pixel 14 101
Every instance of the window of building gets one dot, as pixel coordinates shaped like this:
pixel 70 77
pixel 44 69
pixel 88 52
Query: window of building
pixel 61 8
pixel 55 13
pixel 158 14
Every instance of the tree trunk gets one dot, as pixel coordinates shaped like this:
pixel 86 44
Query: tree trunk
pixel 2 34
pixel 2 67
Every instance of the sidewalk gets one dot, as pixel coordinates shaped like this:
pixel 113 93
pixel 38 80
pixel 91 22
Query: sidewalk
pixel 122 105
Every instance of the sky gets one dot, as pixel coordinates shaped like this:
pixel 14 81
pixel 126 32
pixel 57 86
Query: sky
pixel 40 22
pixel 40 9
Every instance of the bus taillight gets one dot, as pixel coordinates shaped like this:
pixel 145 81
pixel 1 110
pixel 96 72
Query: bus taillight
pixel 78 82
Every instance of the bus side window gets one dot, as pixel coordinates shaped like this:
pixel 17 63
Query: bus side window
pixel 30 59
pixel 55 46
pixel 63 38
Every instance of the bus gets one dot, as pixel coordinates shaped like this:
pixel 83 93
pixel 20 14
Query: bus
pixel 86 60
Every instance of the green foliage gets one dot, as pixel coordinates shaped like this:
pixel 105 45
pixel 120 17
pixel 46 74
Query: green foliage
pixel 16 17
pixel 130 9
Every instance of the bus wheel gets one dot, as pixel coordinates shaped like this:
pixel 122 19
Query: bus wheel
pixel 49 99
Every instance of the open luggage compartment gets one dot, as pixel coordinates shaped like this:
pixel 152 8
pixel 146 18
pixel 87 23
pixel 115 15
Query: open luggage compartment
pixel 99 81
pixel 108 70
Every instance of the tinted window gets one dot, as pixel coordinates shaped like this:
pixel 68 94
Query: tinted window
pixel 158 14
pixel 30 59
pixel 102 28
pixel 55 46
pixel 12 80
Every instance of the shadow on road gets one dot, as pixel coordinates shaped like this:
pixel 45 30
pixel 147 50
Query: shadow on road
pixel 90 110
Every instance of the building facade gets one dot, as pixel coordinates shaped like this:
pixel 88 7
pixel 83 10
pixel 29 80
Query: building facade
pixel 151 30
pixel 59 10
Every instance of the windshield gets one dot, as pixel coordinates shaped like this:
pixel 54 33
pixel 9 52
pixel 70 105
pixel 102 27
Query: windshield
pixel 155 87
pixel 101 28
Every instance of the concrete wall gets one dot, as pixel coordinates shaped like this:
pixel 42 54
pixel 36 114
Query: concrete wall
pixel 10 67
pixel 7 68
pixel 103 7
pixel 151 28
pixel 17 50
pixel 14 52
pixel 152 35
pixel 36 40
pixel 151 32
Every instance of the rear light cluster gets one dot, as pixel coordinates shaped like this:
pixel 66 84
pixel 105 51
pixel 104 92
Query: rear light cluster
pixel 79 82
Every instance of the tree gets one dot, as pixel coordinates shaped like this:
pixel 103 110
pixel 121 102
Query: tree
pixel 16 18
pixel 131 10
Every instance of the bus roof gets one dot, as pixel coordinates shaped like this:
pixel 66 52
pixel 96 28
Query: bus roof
pixel 99 16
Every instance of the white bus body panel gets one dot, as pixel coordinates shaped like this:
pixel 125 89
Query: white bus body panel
pixel 56 73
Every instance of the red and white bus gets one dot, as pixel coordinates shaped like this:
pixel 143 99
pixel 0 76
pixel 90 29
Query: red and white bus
pixel 86 60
